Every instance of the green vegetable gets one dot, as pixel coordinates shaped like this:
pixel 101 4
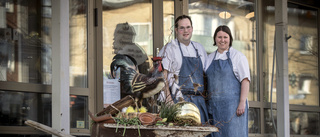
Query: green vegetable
pixel 125 122
pixel 168 111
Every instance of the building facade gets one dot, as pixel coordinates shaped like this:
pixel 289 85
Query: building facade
pixel 42 39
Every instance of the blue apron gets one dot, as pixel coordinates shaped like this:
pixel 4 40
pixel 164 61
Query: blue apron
pixel 192 67
pixel 224 95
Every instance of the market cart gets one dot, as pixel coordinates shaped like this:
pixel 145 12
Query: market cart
pixel 109 130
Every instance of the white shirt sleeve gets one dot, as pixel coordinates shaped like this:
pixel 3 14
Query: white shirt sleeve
pixel 171 59
pixel 240 65
pixel 239 62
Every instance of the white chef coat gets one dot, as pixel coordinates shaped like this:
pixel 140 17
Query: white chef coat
pixel 239 62
pixel 172 58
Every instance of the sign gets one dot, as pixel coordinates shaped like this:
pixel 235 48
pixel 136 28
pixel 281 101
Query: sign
pixel 111 90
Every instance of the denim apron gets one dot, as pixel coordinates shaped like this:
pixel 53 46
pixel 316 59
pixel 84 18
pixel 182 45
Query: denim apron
pixel 224 95
pixel 191 68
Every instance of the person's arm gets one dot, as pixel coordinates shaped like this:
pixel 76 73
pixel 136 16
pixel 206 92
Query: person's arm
pixel 243 96
pixel 166 88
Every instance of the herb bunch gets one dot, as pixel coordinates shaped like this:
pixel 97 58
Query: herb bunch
pixel 127 121
pixel 168 111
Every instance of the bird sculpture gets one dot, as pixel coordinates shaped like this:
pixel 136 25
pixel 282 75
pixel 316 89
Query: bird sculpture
pixel 139 85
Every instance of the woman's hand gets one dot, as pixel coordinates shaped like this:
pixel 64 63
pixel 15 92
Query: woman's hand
pixel 241 108
pixel 243 96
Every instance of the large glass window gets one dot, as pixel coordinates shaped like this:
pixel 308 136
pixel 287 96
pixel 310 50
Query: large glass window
pixel 207 15
pixel 303 68
pixel 168 20
pixel 302 54
pixel 17 107
pixel 79 112
pixel 127 29
pixel 78 43
pixel 268 37
pixel 78 62
pixel 25 57
pixel 254 120
pixel 301 123
pixel 25 41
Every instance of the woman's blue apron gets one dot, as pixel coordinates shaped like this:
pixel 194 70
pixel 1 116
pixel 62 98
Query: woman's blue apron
pixel 223 99
pixel 192 71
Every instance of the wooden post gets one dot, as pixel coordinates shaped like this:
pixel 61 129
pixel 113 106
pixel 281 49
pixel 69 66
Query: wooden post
pixel 60 66
pixel 281 20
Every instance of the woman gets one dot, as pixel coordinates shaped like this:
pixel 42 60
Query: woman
pixel 228 78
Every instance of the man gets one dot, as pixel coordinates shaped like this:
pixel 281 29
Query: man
pixel 183 62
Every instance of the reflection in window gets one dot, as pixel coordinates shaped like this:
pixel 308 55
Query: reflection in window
pixel 25 41
pixel 254 120
pixel 301 123
pixel 270 121
pixel 79 112
pixel 17 107
pixel 268 38
pixel 306 44
pixel 143 36
pixel 168 21
pixel 303 55
pixel 127 29
pixel 304 84
pixel 78 43
pixel 304 123
pixel 17 135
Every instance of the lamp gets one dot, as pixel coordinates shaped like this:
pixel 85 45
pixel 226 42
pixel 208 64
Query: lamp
pixel 250 11
pixel 224 15
pixel 250 15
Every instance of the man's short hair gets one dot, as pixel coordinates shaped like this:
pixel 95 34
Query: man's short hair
pixel 180 18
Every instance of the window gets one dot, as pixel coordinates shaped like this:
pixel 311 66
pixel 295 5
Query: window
pixel 205 17
pixel 127 29
pixel 303 68
pixel 306 44
pixel 303 55
pixel 304 84
pixel 78 43
pixel 143 36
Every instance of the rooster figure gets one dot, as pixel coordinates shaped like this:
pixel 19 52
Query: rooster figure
pixel 139 85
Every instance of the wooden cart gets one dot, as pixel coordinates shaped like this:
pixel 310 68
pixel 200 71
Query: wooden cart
pixel 109 130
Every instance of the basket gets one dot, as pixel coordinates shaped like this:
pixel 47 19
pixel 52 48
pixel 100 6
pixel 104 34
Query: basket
pixel 117 106
pixel 147 118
